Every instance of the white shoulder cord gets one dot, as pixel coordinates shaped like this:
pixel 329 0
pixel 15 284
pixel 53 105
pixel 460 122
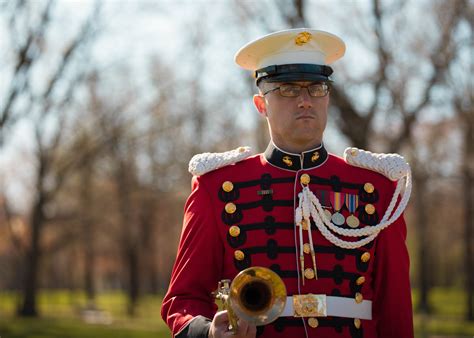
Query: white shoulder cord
pixel 206 162
pixel 391 165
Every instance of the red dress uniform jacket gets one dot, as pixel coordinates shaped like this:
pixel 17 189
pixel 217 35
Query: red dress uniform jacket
pixel 218 241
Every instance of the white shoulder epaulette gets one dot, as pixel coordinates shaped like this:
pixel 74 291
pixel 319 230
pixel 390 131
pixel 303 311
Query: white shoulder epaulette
pixel 393 166
pixel 206 162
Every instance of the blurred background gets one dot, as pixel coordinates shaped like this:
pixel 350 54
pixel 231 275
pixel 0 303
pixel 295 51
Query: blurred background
pixel 103 103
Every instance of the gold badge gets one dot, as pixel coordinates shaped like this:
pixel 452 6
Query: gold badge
pixel 227 186
pixel 305 179
pixel 315 157
pixel 360 280
pixel 306 248
pixel 369 209
pixel 234 231
pixel 369 187
pixel 365 257
pixel 302 38
pixel 239 255
pixel 313 322
pixel 309 273
pixel 230 208
pixel 304 224
pixel 359 298
pixel 287 160
pixel 309 305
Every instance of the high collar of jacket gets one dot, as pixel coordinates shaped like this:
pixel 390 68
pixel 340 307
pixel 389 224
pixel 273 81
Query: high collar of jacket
pixel 306 160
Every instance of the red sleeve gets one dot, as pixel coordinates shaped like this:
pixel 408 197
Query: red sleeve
pixel 392 293
pixel 198 263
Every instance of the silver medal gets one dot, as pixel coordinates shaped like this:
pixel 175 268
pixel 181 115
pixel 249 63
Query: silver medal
pixel 328 214
pixel 337 218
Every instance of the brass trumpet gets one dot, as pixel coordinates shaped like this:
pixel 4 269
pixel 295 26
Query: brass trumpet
pixel 257 295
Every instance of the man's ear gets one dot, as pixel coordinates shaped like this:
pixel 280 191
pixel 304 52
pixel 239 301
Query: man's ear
pixel 260 104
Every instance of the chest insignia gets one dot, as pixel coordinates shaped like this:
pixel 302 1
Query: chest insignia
pixel 287 160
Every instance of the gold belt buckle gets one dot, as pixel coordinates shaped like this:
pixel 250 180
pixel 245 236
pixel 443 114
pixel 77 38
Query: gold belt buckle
pixel 309 305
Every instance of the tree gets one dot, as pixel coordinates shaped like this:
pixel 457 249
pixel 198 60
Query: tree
pixel 461 80
pixel 45 105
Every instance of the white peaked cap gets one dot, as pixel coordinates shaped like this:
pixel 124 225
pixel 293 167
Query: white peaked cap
pixel 301 45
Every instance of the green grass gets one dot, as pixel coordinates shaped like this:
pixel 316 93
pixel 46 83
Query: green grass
pixel 70 328
pixel 447 320
pixel 60 317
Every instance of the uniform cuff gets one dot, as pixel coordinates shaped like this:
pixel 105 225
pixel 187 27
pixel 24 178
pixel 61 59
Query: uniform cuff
pixel 198 327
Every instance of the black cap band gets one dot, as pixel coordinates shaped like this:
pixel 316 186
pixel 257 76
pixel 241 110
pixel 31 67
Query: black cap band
pixel 294 72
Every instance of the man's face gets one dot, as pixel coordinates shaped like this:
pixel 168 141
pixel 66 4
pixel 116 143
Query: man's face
pixel 296 123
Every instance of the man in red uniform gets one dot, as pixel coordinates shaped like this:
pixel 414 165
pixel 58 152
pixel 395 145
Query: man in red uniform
pixel 331 228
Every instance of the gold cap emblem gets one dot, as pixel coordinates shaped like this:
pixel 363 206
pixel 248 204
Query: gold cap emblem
pixel 227 186
pixel 369 209
pixel 302 38
pixel 234 231
pixel 230 208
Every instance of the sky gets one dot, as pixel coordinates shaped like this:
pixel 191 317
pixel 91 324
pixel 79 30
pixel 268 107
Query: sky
pixel 131 31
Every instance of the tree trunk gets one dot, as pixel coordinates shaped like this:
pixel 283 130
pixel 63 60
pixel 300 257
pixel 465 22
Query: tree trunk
pixel 89 259
pixel 148 246
pixel 468 176
pixel 423 256
pixel 30 287
pixel 133 287
pixel 129 230
pixel 154 278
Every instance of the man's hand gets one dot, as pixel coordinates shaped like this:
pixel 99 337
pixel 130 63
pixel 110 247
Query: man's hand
pixel 220 327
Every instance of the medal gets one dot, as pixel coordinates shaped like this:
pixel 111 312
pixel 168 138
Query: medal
pixel 328 214
pixel 337 201
pixel 337 218
pixel 352 221
pixel 352 202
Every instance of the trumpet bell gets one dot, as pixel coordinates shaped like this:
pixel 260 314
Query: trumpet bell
pixel 257 295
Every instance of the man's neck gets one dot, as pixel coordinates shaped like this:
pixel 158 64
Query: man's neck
pixel 296 148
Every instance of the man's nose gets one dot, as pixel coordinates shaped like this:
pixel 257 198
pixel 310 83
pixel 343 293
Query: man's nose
pixel 304 100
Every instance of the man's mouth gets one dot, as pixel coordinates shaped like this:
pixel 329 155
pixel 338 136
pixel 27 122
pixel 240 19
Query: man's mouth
pixel 305 117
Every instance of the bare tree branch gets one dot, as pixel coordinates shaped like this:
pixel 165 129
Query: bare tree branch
pixel 23 64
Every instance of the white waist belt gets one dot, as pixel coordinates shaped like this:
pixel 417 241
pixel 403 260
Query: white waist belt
pixel 333 306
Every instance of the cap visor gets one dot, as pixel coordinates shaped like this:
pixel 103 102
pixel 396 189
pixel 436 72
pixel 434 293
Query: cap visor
pixel 295 77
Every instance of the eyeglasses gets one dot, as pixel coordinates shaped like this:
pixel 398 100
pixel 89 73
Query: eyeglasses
pixel 294 90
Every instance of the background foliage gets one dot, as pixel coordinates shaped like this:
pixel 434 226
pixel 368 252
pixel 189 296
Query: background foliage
pixel 102 104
